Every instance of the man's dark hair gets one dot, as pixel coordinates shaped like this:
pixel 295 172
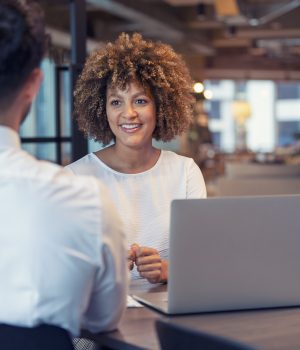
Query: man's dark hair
pixel 22 44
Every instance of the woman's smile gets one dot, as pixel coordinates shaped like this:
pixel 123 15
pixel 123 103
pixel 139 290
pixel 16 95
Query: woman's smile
pixel 131 127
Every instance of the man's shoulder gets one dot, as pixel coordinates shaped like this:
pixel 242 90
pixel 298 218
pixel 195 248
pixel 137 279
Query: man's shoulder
pixel 81 200
pixel 52 185
pixel 48 178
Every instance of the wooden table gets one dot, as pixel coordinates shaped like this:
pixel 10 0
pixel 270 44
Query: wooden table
pixel 269 329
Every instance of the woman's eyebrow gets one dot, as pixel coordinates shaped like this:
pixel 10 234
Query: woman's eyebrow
pixel 139 93
pixel 113 94
pixel 116 94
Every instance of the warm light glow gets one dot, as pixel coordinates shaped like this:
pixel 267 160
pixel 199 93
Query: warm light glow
pixel 198 88
pixel 241 111
pixel 227 8
pixel 208 94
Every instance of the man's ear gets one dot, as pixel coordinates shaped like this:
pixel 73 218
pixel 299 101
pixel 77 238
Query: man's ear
pixel 32 84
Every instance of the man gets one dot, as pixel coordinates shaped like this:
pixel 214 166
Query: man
pixel 62 253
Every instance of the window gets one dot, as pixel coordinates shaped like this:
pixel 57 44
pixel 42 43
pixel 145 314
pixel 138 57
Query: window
pixel 216 136
pixel 46 132
pixel 288 91
pixel 213 109
pixel 274 119
pixel 288 132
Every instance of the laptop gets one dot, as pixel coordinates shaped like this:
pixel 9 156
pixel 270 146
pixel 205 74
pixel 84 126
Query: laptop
pixel 231 254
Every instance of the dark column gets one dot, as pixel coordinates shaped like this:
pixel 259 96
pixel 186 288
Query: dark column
pixel 78 55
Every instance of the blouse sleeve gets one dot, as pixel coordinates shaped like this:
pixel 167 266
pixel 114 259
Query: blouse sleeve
pixel 195 182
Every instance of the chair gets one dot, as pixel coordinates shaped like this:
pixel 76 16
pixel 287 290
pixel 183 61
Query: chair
pixel 174 337
pixel 43 337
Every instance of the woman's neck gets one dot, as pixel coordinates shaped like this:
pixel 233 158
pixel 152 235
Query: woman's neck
pixel 129 161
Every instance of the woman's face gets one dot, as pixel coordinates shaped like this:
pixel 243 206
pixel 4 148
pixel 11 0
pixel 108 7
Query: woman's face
pixel 131 115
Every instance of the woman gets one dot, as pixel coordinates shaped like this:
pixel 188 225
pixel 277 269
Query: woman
pixel 129 93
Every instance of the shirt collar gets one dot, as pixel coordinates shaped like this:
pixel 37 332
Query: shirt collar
pixel 9 138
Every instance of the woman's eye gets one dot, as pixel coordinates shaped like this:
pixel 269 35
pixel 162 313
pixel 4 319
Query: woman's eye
pixel 141 101
pixel 115 102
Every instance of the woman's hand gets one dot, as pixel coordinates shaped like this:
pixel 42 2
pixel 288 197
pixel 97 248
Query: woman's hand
pixel 151 266
pixel 131 256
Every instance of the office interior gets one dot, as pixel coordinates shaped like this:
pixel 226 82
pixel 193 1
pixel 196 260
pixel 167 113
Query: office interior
pixel 243 57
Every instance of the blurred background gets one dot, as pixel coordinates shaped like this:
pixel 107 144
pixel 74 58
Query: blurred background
pixel 244 57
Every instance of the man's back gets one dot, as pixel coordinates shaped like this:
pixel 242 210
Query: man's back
pixel 61 249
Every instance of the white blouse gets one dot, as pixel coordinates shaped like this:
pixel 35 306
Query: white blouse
pixel 143 200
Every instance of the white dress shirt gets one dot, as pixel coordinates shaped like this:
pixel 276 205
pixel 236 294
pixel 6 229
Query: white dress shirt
pixel 62 252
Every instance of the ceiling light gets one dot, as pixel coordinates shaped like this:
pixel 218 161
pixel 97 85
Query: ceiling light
pixel 226 8
pixel 198 88
pixel 254 22
pixel 208 94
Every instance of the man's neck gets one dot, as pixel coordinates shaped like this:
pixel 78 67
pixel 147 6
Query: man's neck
pixel 12 124
pixel 11 116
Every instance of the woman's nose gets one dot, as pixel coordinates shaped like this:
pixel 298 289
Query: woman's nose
pixel 130 111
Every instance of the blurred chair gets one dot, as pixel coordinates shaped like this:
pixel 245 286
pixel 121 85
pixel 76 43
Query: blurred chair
pixel 175 337
pixel 44 337
pixel 256 186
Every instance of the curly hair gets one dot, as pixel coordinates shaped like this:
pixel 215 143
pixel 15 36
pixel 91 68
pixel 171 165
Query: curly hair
pixel 131 58
pixel 22 44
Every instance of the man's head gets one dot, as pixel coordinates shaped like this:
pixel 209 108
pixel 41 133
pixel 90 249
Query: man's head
pixel 22 46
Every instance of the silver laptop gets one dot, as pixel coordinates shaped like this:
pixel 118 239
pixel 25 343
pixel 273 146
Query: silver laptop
pixel 232 254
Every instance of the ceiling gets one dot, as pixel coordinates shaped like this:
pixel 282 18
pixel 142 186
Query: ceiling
pixel 239 39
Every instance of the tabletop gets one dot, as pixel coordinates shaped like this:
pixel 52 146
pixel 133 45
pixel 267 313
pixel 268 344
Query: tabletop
pixel 265 329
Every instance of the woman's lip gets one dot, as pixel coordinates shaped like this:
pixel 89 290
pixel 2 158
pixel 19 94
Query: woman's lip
pixel 130 128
